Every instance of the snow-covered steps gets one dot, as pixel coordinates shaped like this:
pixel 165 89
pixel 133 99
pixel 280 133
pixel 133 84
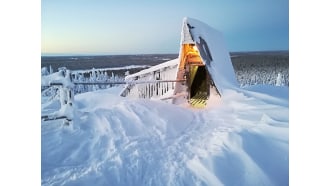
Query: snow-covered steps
pixel 198 101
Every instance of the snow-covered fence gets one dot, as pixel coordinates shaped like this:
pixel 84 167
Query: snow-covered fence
pixel 95 80
pixel 62 82
pixel 87 80
pixel 160 80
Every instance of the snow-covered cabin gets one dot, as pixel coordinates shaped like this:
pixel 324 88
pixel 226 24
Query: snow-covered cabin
pixel 203 67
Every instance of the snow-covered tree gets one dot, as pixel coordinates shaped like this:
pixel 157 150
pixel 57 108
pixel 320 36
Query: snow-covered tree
pixel 279 80
pixel 44 71
pixel 50 69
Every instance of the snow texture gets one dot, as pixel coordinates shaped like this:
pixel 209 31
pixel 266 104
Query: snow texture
pixel 121 141
pixel 242 140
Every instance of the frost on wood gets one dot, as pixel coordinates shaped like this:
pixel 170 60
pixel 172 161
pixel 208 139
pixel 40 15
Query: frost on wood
pixel 63 82
pixel 153 89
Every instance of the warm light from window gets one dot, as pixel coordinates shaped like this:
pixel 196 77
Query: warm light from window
pixel 195 47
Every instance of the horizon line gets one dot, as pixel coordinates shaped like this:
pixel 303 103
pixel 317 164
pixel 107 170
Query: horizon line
pixel 130 54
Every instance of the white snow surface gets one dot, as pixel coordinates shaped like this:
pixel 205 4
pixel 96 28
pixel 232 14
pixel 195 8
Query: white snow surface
pixel 113 140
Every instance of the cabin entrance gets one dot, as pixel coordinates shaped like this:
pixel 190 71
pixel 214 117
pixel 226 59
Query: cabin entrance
pixel 199 88
pixel 194 72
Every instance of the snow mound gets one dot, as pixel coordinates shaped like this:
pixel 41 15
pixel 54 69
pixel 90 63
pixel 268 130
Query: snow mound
pixel 121 141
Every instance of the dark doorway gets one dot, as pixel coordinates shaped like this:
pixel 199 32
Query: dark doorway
pixel 198 82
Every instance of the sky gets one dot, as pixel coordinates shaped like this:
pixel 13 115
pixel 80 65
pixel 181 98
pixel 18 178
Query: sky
pixel 145 27
pixel 238 138
pixel 21 45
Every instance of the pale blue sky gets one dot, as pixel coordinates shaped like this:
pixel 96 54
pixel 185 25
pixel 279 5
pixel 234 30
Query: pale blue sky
pixel 144 27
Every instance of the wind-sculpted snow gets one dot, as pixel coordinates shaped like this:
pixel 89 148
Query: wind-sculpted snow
pixel 120 141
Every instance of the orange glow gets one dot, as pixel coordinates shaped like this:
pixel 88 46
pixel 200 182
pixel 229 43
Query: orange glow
pixel 188 55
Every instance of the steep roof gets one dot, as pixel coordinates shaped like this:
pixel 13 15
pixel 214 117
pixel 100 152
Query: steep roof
pixel 214 54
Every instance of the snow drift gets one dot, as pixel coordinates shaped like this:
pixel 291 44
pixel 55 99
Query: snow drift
pixel 242 140
pixel 121 141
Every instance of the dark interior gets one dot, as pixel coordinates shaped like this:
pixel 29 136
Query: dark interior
pixel 199 83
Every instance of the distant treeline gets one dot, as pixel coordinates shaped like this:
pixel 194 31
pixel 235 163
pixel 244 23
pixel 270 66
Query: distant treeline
pixel 261 67
pixel 89 62
pixel 250 67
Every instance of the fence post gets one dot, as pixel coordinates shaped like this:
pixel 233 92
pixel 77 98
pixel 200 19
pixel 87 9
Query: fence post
pixel 69 97
pixel 66 94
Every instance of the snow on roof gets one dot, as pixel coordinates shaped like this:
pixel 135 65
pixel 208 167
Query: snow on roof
pixel 185 35
pixel 154 68
pixel 215 55
pixel 121 141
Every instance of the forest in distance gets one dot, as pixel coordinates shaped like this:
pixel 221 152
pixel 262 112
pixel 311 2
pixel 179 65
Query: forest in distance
pixel 108 61
pixel 251 68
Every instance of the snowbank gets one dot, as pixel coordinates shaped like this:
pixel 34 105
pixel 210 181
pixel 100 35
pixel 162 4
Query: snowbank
pixel 121 141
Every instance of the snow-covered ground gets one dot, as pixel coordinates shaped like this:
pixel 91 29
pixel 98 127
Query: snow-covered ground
pixel 243 140
pixel 240 139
